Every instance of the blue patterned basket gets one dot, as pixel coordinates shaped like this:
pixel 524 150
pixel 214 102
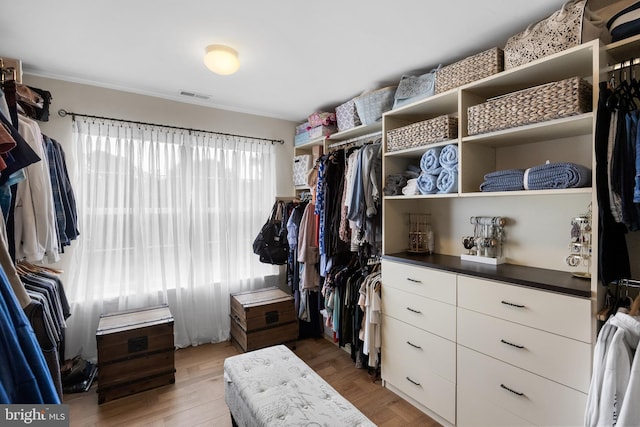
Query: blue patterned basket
pixel 372 105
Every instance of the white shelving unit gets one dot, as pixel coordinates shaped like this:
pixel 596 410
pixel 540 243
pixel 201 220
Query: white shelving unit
pixel 537 230
pixel 565 139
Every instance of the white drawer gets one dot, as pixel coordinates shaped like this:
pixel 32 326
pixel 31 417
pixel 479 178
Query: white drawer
pixel 431 315
pixel 475 411
pixel 420 384
pixel 558 358
pixel 561 314
pixel 430 283
pixel 419 348
pixel 533 398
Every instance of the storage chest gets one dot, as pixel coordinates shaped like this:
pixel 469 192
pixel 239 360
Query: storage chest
pixel 135 351
pixel 262 318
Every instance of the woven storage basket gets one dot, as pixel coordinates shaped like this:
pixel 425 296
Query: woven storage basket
pixel 426 132
pixel 370 106
pixel 470 69
pixel 537 104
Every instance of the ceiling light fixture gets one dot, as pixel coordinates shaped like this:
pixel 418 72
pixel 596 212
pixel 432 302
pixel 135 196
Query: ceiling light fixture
pixel 221 59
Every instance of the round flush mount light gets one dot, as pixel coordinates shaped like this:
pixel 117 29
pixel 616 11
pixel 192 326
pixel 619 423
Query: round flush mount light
pixel 221 59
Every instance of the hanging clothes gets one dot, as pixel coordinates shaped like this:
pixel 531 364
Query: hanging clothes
pixel 613 255
pixel 24 376
pixel 308 251
pixel 35 221
pixel 612 382
pixel 370 303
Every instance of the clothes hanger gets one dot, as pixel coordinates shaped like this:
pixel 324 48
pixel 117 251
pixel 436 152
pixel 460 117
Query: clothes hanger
pixel 620 97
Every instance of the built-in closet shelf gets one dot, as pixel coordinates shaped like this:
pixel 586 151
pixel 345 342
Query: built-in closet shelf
pixel 311 143
pixel 528 193
pixel 576 61
pixel 624 49
pixel 417 152
pixel 422 196
pixel 442 103
pixel 553 129
pixel 538 278
pixel 355 132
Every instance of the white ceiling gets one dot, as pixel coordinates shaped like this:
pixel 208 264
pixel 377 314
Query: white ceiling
pixel 296 56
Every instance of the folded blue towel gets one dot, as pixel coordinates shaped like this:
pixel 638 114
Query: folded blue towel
pixel 447 181
pixel 557 175
pixel 449 156
pixel 504 180
pixel 427 183
pixel 430 163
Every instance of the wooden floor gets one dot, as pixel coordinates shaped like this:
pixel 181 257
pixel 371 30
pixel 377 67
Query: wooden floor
pixel 197 397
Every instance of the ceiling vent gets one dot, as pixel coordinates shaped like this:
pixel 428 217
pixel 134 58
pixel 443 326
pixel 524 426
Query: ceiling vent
pixel 194 95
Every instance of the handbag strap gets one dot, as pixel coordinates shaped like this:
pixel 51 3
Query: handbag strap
pixel 274 211
pixel 557 16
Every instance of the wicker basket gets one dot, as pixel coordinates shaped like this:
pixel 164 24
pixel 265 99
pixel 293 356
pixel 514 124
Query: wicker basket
pixel 537 104
pixel 426 132
pixel 470 69
pixel 370 106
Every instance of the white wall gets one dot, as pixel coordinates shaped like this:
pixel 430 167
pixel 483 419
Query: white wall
pixel 98 101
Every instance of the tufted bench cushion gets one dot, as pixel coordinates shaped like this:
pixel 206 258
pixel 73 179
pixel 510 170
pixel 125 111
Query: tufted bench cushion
pixel 273 387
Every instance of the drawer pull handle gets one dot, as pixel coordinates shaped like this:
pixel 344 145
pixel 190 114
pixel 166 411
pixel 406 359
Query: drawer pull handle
pixel 512 391
pixel 413 382
pixel 511 344
pixel 413 345
pixel 414 311
pixel 413 280
pixel 512 304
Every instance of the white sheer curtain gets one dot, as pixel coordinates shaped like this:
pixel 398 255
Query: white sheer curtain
pixel 165 217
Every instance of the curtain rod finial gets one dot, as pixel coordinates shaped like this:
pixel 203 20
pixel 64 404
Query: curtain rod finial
pixel 62 112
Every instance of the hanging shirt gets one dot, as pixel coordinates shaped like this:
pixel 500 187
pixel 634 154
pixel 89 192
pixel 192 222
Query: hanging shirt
pixel 36 233
pixel 24 375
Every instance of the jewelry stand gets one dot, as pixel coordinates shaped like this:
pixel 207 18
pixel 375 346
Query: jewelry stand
pixel 580 245
pixel 485 245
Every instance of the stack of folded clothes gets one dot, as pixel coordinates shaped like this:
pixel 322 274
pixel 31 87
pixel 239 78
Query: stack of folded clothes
pixel 543 177
pixel 397 181
pixel 505 180
pixel 394 183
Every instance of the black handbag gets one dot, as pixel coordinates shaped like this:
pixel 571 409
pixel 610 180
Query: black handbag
pixel 271 244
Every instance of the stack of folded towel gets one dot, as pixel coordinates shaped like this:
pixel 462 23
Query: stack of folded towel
pixel 543 177
pixel 448 178
pixel 439 167
pixel 397 181
pixel 393 184
pixel 411 188
pixel 505 180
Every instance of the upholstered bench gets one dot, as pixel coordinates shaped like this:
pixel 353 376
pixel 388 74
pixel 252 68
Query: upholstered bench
pixel 273 387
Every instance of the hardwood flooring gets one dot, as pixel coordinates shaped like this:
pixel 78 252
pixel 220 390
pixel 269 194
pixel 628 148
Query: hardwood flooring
pixel 197 397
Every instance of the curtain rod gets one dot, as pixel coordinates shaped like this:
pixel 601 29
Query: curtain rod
pixel 64 113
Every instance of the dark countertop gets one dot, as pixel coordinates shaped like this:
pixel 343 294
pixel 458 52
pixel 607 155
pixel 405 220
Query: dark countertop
pixel 540 278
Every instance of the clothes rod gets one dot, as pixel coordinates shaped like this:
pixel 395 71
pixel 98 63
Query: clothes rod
pixel 64 113
pixel 629 283
pixel 356 139
pixel 624 64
